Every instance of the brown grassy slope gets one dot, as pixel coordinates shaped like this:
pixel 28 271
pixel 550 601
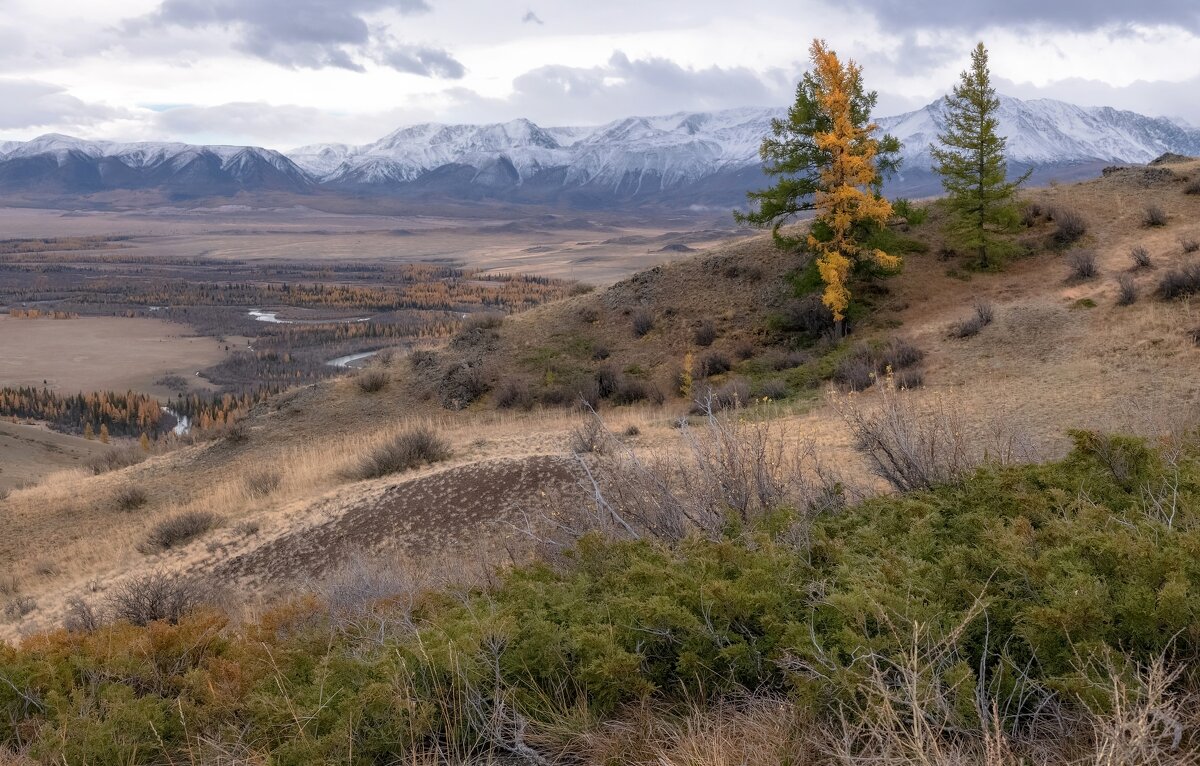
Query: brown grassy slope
pixel 28 453
pixel 1048 363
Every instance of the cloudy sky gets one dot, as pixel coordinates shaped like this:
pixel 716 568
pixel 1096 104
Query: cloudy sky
pixel 281 73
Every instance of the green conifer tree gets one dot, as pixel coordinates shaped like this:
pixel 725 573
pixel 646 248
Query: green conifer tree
pixel 792 154
pixel 970 159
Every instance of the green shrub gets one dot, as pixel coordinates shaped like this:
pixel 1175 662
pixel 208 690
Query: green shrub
pixel 1047 569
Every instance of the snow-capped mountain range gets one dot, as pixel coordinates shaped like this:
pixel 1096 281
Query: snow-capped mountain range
pixel 691 158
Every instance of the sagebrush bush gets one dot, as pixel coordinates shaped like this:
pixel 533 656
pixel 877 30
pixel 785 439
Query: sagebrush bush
pixel 1189 244
pixel 984 314
pixel 1154 216
pixel 1126 290
pixel 403 452
pixel 1082 264
pixel 1141 258
pixel 129 498
pixel 730 395
pixel 484 320
pixel 371 381
pixel 423 359
pixel 514 394
pixel 642 322
pixel 179 530
pixel 774 389
pixel 900 354
pixel 116 459
pixel 1181 282
pixel 156 597
pixel 1193 186
pixel 714 363
pixel 705 334
pixel 1070 227
pixel 855 371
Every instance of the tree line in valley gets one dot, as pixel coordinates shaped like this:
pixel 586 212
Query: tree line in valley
pixel 105 414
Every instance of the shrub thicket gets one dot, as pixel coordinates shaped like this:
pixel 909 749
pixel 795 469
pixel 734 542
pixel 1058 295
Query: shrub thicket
pixel 1034 588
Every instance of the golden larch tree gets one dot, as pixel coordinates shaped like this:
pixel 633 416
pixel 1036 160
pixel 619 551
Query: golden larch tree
pixel 844 197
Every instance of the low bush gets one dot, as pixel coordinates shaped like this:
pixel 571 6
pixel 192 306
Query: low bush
pixel 178 530
pixel 908 379
pixel 1141 258
pixel 514 394
pixel 1126 290
pixel 404 452
pixel 642 322
pixel 484 320
pixel 1082 264
pixel 855 371
pixel 1182 282
pixel 423 359
pixel 600 352
pixel 1193 186
pixel 900 354
pixel 129 498
pixel 116 459
pixel 166 597
pixel 705 334
pixel 371 381
pixel 1154 216
pixel 983 316
pixel 631 390
pixel 728 396
pixel 1070 227
pixel 807 316
pixel 774 389
pixel 591 437
pixel 714 363
pixel 1189 244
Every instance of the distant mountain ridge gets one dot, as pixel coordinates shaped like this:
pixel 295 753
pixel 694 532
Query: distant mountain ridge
pixel 694 159
pixel 55 163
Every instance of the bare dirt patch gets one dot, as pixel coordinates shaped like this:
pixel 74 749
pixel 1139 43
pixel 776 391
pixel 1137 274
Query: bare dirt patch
pixel 469 504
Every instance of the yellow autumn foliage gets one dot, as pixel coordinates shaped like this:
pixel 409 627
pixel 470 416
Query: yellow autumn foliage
pixel 843 198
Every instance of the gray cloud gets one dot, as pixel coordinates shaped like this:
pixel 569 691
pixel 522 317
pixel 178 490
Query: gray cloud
pixel 310 34
pixel 1067 14
pixel 32 104
pixel 625 86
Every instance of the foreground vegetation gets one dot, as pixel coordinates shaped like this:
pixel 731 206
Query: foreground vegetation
pixel 1043 611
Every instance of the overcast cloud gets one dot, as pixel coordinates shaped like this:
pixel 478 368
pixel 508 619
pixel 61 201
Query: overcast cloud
pixel 281 73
